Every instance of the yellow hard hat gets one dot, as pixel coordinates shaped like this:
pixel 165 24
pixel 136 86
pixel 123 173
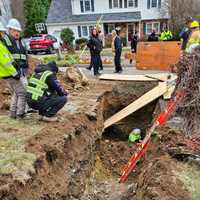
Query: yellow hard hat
pixel 194 24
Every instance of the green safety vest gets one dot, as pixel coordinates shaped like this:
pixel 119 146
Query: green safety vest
pixel 6 60
pixel 166 35
pixel 37 85
pixel 134 137
pixel 18 51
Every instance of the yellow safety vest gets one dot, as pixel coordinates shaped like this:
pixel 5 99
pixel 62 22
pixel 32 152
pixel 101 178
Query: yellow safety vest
pixel 6 60
pixel 194 39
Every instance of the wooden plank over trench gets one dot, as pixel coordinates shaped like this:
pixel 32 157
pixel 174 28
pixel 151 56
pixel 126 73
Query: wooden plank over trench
pixel 139 103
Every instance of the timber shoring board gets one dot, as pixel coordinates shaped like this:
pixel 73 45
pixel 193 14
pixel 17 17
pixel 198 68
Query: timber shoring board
pixel 120 77
pixel 162 77
pixel 139 103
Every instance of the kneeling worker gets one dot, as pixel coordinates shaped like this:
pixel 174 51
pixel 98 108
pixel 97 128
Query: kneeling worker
pixel 44 93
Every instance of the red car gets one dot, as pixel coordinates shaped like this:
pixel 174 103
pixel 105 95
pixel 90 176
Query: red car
pixel 42 43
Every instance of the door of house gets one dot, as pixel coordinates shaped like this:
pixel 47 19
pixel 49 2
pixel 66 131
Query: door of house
pixel 131 31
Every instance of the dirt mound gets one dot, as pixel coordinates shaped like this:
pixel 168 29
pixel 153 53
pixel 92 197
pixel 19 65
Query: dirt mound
pixel 75 76
pixel 160 176
pixel 75 160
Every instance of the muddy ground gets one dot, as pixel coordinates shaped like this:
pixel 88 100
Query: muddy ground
pixel 75 159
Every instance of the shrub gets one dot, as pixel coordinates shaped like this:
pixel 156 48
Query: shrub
pixel 81 41
pixel 67 36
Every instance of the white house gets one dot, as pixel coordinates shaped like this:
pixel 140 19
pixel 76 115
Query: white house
pixel 5 11
pixel 131 15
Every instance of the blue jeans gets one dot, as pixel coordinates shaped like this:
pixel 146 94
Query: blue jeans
pixel 48 106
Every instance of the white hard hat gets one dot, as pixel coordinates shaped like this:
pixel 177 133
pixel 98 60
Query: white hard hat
pixel 2 28
pixel 14 24
pixel 117 28
pixel 136 131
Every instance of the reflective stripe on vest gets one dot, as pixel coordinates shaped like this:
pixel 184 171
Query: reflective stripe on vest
pixel 192 41
pixel 19 56
pixel 6 65
pixel 40 84
pixel 7 40
pixel 36 92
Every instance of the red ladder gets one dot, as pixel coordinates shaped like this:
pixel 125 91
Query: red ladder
pixel 143 146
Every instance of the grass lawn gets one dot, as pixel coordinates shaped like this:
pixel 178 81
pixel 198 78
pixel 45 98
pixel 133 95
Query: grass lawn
pixel 14 159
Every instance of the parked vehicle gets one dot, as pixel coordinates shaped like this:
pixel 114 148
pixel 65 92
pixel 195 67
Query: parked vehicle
pixel 42 43
pixel 26 42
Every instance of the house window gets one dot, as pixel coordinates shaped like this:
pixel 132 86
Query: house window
pixel 123 3
pixel 130 3
pixel 84 31
pixel 152 26
pixel 87 6
pixel 133 3
pixel 111 27
pixel 115 3
pixel 154 4
pixel 156 27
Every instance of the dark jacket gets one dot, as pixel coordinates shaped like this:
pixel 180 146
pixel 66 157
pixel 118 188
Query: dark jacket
pixel 54 86
pixel 95 45
pixel 118 44
pixel 134 42
pixel 15 49
pixel 152 37
pixel 184 35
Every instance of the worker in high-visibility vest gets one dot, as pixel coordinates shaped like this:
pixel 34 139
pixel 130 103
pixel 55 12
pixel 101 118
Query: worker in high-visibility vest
pixel 44 92
pixel 166 35
pixel 14 44
pixel 194 39
pixel 7 70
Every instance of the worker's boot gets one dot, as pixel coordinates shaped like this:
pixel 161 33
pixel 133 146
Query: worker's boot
pixel 49 119
pixel 20 117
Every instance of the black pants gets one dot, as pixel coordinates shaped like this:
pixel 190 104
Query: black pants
pixel 96 63
pixel 118 66
pixel 99 60
pixel 133 51
pixel 49 106
pixel 100 63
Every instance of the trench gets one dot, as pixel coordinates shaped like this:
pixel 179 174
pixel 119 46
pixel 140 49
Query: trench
pixel 81 162
pixel 114 150
pixel 155 174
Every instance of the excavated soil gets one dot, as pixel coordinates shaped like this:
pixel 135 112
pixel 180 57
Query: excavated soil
pixel 75 159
